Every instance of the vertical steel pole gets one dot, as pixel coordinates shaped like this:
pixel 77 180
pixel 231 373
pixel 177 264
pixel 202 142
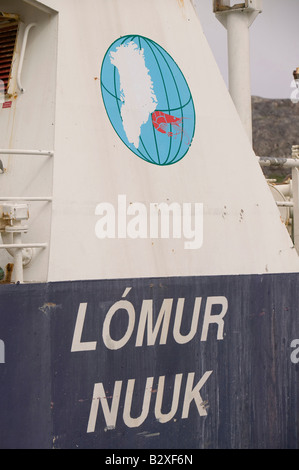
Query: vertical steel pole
pixel 237 21
pixel 239 66
pixel 18 258
pixel 295 188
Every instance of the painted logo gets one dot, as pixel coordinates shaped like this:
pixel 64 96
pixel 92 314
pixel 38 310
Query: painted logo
pixel 148 100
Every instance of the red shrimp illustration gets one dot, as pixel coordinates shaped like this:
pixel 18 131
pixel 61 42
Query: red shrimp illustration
pixel 162 120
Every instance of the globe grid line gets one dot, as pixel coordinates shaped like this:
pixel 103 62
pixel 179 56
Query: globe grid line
pixel 166 94
pixel 161 109
pixel 119 110
pixel 179 97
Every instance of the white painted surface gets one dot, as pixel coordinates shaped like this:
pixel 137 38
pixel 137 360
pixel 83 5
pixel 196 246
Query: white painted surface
pixel 30 125
pixel 242 232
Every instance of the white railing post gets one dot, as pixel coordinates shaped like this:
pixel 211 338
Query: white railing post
pixel 295 184
pixel 293 164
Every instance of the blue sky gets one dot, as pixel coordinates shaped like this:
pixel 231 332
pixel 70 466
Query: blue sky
pixel 274 39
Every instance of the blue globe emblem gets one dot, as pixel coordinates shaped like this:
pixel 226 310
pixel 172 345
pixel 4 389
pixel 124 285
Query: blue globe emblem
pixel 147 100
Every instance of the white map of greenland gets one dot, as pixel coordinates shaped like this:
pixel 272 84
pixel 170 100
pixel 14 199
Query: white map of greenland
pixel 136 86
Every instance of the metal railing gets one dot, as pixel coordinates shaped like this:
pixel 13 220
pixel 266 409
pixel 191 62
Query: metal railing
pixel 278 162
pixel 16 246
pixel 293 164
pixel 47 153
pixel 25 198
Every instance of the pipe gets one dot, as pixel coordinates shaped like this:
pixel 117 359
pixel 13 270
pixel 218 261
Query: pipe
pixel 24 198
pixel 285 203
pixel 7 242
pixel 18 257
pixel 22 253
pixel 239 66
pixel 295 181
pixel 48 153
pixel 14 248
pixel 8 246
pixel 279 162
pixel 27 29
pixel 237 21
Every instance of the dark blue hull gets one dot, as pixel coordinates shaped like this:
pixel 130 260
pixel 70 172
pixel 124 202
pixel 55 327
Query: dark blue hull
pixel 170 363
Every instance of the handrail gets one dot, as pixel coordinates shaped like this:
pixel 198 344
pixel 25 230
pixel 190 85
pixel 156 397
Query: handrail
pixel 27 29
pixel 285 203
pixel 279 161
pixel 292 163
pixel 48 153
pixel 22 245
pixel 24 198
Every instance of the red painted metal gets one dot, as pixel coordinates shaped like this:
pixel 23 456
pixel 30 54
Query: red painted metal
pixel 8 35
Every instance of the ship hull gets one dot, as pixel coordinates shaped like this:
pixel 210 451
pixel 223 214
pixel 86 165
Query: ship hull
pixel 176 363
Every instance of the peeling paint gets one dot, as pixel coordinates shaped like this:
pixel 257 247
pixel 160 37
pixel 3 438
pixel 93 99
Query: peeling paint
pixel 148 434
pixel 109 428
pixel 48 306
pixel 154 434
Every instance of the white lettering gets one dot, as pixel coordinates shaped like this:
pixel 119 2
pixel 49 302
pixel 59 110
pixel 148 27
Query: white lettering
pixel 151 323
pixel 116 460
pixel 209 318
pixel 120 305
pixel 122 216
pixel 193 394
pixel 105 227
pixel 77 345
pixel 180 339
pixel 295 353
pixel 197 233
pixel 137 227
pixel 110 414
pixel 161 417
pixel 153 225
pixel 163 210
pixel 146 314
pixel 135 422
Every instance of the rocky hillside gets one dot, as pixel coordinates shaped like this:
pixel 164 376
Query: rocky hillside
pixel 275 128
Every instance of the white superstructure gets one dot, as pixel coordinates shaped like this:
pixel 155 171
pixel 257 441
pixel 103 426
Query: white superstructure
pixel 61 110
